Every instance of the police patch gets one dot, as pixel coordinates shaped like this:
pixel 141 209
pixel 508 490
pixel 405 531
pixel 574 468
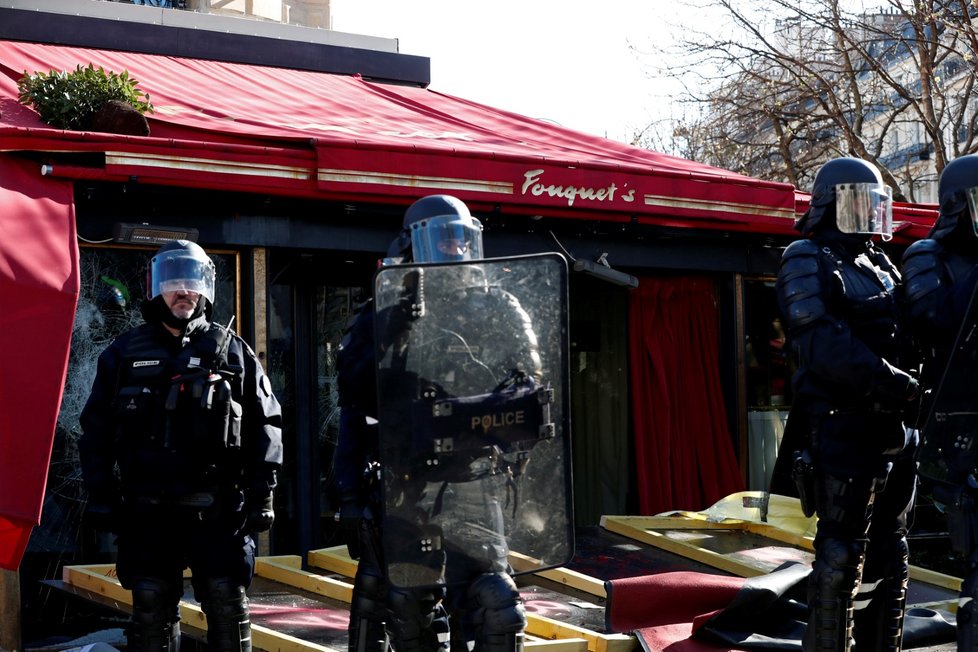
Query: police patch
pixel 145 363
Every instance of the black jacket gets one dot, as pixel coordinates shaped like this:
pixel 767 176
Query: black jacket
pixel 169 416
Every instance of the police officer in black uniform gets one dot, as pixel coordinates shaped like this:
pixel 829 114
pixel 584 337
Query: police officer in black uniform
pixel 180 448
pixel 477 605
pixel 940 273
pixel 837 291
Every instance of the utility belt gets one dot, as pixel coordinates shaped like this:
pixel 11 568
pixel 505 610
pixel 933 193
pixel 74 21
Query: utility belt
pixel 199 505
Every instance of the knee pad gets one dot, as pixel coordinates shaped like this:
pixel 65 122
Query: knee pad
pixel 369 596
pixel 496 606
pixel 418 620
pixel 155 601
pixel 837 565
pixel 224 598
pixel 226 606
pixel 155 625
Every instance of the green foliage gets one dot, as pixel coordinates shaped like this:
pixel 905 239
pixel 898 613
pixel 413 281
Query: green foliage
pixel 68 100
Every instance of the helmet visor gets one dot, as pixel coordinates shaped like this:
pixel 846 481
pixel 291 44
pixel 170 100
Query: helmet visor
pixel 864 208
pixel 174 271
pixel 446 238
pixel 972 195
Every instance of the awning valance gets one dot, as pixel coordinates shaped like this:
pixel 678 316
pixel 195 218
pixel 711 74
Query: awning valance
pixel 302 133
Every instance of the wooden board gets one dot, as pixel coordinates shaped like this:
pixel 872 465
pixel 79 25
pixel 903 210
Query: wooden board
pixel 540 629
pixel 748 547
pixel 305 607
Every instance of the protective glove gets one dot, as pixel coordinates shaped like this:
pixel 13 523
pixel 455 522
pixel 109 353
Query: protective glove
pixel 261 515
pixel 101 515
pixel 351 517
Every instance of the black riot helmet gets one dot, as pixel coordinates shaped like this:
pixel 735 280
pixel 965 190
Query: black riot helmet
pixel 849 195
pixel 180 265
pixel 437 229
pixel 957 195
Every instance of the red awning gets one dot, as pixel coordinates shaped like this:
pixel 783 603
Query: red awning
pixel 235 126
pixel 39 292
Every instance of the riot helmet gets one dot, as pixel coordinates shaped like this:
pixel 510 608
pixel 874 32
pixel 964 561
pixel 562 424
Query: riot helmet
pixel 957 195
pixel 851 191
pixel 180 265
pixel 442 230
pixel 113 295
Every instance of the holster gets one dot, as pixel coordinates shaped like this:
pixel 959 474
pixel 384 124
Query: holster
pixel 803 473
pixel 960 509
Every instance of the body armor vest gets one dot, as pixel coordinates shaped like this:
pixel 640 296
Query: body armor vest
pixel 178 425
pixel 865 297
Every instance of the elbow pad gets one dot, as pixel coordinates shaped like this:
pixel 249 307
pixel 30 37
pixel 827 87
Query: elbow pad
pixel 922 277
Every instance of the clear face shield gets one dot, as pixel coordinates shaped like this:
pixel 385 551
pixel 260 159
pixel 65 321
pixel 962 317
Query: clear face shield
pixel 172 271
pixel 865 208
pixel 972 195
pixel 446 238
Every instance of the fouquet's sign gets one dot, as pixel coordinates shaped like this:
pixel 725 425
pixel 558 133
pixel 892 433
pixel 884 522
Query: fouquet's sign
pixel 535 183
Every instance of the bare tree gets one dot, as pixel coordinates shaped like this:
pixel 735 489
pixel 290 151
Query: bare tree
pixel 783 85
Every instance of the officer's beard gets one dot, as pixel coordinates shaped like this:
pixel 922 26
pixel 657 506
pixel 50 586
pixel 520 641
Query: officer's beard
pixel 155 310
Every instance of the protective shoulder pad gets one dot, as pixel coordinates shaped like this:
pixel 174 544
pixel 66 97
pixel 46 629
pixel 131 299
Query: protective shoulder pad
pixel 922 271
pixel 799 284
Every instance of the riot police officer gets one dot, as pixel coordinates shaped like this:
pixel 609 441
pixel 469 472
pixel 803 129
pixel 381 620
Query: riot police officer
pixel 180 449
pixel 837 292
pixel 470 605
pixel 940 272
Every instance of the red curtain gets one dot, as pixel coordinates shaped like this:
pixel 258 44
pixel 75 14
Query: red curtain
pixel 39 284
pixel 684 452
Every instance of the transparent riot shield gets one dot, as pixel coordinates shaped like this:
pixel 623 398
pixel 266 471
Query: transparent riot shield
pixel 472 403
pixel 947 445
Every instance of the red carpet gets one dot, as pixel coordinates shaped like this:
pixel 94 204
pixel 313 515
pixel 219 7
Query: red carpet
pixel 664 610
pixel 699 612
pixel 702 612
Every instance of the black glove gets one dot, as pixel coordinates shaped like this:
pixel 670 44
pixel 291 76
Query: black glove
pixel 351 517
pixel 101 515
pixel 261 514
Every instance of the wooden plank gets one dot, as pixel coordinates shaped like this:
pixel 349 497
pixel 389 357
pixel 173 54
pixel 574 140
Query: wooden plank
pixel 337 560
pixel 286 573
pixel 937 579
pixel 563 576
pixel 101 579
pixel 684 522
pixel 263 638
pixel 575 580
pixel 10 634
pixel 682 548
pixel 98 579
pixel 643 528
pixel 558 645
pixel 548 628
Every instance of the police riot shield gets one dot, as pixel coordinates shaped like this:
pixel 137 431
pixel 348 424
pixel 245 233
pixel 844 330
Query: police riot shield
pixel 472 403
pixel 948 437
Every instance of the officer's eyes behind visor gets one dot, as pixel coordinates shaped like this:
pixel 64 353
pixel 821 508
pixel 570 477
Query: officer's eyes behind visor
pixel 972 195
pixel 865 208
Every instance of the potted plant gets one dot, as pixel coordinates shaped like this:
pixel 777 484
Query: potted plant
pixel 87 99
